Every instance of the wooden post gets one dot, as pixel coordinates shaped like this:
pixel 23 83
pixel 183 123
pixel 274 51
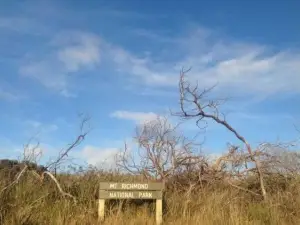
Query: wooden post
pixel 101 209
pixel 158 211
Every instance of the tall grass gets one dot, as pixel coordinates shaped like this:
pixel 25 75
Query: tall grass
pixel 32 202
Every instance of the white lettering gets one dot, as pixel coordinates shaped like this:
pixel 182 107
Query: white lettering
pixel 135 186
pixel 112 194
pixel 131 194
pixel 121 195
pixel 145 194
pixel 112 185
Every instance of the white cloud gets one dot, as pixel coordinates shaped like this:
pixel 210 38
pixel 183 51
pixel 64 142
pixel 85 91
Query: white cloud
pixel 48 73
pixel 253 73
pixel 142 68
pixel 137 117
pixel 100 157
pixel 237 67
pixel 34 126
pixel 240 115
pixel 8 148
pixel 69 55
pixel 68 94
pixel 9 96
pixel 146 33
pixel 212 157
pixel 16 23
pixel 33 152
pixel 84 53
pixel 33 123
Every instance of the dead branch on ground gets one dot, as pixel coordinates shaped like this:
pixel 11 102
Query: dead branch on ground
pixel 63 193
pixel 16 181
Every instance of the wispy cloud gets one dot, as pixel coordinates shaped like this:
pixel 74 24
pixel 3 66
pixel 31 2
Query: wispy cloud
pixel 253 73
pixel 15 23
pixel 9 96
pixel 48 73
pixel 143 69
pixel 32 148
pixel 23 25
pixel 8 148
pixel 41 126
pixel 137 117
pixel 41 131
pixel 84 52
pixel 100 157
pixel 241 67
pixel 68 56
pixel 152 35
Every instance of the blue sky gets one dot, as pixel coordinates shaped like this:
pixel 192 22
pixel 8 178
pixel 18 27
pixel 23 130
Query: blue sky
pixel 119 61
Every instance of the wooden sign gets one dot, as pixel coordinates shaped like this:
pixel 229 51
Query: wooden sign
pixel 112 190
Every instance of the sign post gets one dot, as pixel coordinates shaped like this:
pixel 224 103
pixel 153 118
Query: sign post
pixel 112 190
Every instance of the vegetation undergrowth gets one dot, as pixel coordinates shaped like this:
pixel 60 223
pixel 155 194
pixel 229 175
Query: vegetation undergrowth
pixel 32 202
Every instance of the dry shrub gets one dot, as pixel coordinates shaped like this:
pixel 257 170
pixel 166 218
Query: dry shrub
pixel 35 202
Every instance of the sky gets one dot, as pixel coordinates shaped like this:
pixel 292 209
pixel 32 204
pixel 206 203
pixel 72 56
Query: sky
pixel 119 62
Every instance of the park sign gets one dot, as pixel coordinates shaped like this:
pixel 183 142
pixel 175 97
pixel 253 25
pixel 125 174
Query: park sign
pixel 125 190
pixel 131 190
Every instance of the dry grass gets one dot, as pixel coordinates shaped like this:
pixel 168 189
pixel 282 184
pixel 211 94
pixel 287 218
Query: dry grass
pixel 32 202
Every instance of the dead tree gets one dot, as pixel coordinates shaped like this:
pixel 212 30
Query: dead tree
pixel 161 151
pixel 29 159
pixel 63 154
pixel 195 105
pixel 280 159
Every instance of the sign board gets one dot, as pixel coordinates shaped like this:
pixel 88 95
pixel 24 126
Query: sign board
pixel 115 190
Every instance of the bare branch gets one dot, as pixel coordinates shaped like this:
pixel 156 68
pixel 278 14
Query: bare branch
pixel 161 150
pixel 59 187
pixel 243 189
pixel 64 153
pixel 16 181
pixel 193 105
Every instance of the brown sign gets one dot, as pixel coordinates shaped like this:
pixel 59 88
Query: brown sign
pixel 131 186
pixel 130 194
pixel 113 190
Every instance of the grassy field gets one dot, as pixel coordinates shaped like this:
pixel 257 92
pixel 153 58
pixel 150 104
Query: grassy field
pixel 32 202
